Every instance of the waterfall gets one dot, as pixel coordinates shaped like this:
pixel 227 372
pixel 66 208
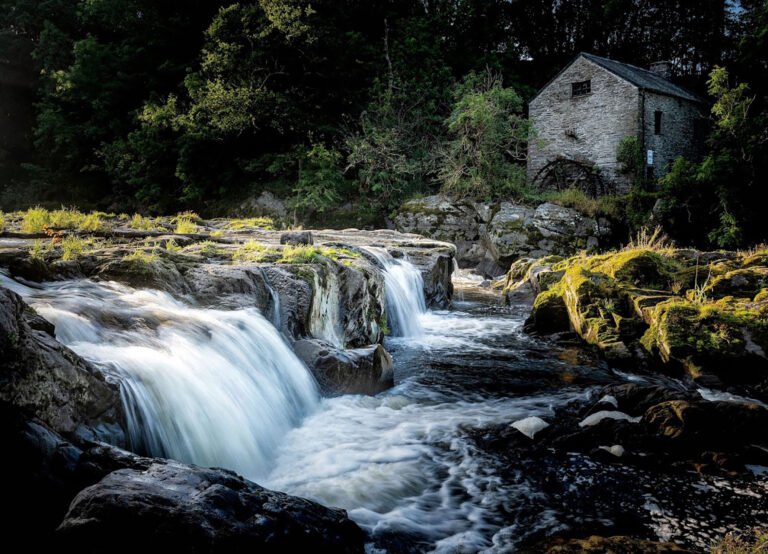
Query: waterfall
pixel 209 387
pixel 404 291
pixel 325 316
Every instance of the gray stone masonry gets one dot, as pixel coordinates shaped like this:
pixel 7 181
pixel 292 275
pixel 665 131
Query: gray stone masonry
pixel 589 128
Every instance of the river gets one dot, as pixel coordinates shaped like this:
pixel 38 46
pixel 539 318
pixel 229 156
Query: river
pixel 420 466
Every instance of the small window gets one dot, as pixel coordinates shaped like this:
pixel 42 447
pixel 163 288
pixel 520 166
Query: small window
pixel 581 88
pixel 657 123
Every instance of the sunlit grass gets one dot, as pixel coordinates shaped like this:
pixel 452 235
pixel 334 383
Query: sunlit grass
pixel 252 251
pixel 251 223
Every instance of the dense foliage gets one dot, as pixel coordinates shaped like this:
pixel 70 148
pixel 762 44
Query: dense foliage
pixel 197 104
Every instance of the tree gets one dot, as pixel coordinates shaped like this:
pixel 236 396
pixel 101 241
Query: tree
pixel 484 157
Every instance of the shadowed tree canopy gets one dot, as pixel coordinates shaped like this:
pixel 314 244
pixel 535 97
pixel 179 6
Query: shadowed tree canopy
pixel 199 103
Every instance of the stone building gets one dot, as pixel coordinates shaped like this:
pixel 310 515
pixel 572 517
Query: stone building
pixel 581 116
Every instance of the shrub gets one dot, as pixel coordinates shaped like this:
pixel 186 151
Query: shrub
pixel 299 254
pixel 171 246
pixel 39 249
pixel 141 257
pixel 309 254
pixel 605 206
pixel 754 541
pixel 319 180
pixel 65 218
pixel 485 155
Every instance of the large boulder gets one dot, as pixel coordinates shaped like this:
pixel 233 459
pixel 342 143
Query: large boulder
pixel 179 508
pixel 42 378
pixel 520 231
pixel 366 370
pixel 490 237
pixel 441 218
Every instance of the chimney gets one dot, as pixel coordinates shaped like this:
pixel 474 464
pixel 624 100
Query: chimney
pixel 662 69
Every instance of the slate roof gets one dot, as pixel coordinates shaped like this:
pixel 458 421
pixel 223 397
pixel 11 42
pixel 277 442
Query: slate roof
pixel 642 78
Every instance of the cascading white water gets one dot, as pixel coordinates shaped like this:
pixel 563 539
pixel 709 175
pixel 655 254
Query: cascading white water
pixel 325 317
pixel 210 387
pixel 404 291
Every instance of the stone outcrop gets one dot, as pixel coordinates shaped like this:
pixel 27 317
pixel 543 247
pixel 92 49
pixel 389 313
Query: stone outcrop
pixel 178 507
pixel 663 307
pixel 296 280
pixel 42 378
pixel 492 236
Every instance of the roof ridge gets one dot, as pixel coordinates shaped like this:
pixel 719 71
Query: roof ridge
pixel 633 66
pixel 641 77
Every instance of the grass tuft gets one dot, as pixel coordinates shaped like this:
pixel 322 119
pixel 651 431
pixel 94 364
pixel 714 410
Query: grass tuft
pixel 251 223
pixel 252 251
pixel 141 223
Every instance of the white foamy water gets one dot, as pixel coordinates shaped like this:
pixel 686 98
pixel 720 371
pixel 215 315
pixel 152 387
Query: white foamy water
pixel 404 291
pixel 400 462
pixel 210 387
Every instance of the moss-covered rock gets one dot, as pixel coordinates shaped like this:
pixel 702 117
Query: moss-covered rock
pixel 550 314
pixel 741 283
pixel 646 300
pixel 726 338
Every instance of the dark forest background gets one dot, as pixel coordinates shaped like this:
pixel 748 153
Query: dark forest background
pixel 198 104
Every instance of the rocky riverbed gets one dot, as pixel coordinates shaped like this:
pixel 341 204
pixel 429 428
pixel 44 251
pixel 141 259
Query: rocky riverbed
pixel 575 422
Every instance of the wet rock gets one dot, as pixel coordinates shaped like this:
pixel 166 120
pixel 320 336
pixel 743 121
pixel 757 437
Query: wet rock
pixel 158 273
pixel 294 292
pixel 184 508
pixel 229 286
pixel 366 370
pixel 704 425
pixel 634 399
pixel 44 379
pixel 297 238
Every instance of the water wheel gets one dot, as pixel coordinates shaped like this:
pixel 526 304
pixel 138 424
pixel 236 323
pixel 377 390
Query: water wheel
pixel 563 173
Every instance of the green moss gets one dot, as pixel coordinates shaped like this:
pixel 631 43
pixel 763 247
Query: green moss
pixel 641 268
pixel 743 283
pixel 383 324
